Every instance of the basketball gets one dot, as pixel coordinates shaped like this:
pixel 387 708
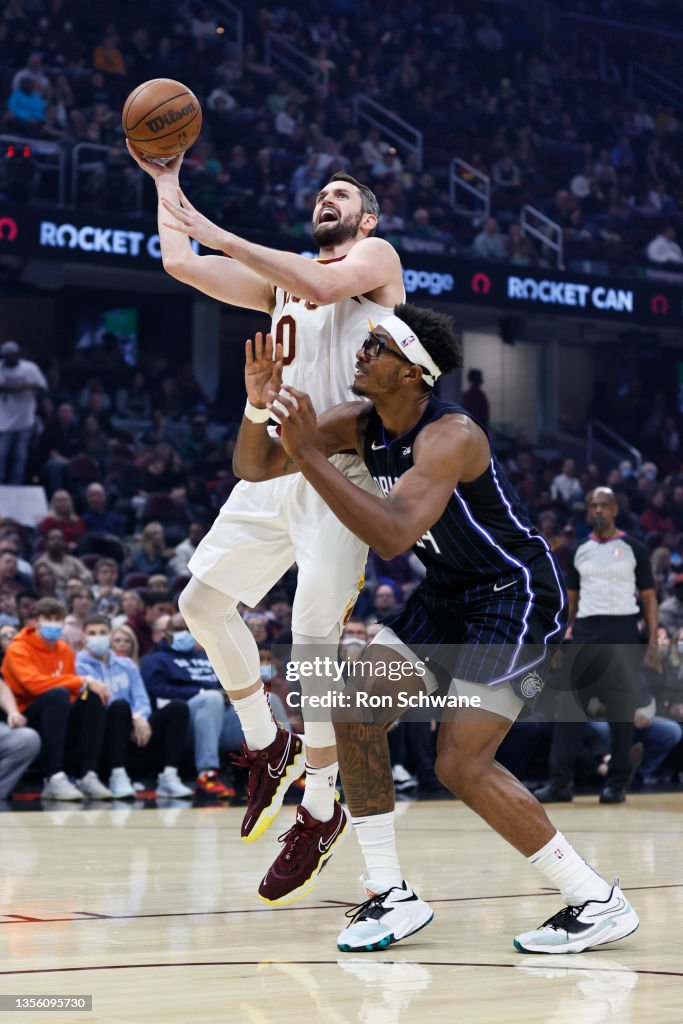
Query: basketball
pixel 162 117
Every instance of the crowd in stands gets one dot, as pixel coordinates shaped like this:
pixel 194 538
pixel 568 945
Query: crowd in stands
pixel 100 671
pixel 99 664
pixel 534 112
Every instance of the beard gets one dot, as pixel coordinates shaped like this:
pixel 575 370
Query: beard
pixel 336 233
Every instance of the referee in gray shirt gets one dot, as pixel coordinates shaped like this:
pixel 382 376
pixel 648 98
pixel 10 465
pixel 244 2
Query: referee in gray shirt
pixel 606 573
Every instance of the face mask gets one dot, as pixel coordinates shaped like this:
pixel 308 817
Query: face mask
pixel 51 631
pixel 676 558
pixel 97 645
pixel 680 647
pixel 650 474
pixel 599 522
pixel 351 642
pixel 183 641
pixel 266 673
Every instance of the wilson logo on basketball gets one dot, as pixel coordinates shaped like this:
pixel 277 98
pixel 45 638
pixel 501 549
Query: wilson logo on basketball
pixel 171 117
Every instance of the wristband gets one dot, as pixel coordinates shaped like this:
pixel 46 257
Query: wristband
pixel 255 415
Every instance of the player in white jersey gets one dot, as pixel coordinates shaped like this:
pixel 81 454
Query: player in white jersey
pixel 320 311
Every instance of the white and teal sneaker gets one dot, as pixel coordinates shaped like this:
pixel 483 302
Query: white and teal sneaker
pixel 575 929
pixel 384 918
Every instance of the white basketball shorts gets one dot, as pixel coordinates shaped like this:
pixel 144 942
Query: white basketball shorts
pixel 264 528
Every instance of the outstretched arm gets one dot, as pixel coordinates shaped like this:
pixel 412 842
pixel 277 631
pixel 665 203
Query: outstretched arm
pixel 372 261
pixel 221 278
pixel 257 455
pixel 445 451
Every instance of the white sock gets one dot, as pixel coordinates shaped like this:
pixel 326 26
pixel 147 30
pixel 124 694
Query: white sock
pixel 256 720
pixel 377 838
pixel 319 795
pixel 561 864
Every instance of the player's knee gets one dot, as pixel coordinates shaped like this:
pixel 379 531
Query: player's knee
pixel 342 723
pixel 201 606
pixel 361 704
pixel 457 771
pixel 189 601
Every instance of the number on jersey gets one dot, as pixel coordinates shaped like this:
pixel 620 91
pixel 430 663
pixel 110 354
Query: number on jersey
pixel 285 335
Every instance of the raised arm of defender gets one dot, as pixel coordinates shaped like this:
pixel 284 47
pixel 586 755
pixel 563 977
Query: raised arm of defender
pixel 257 455
pixel 450 451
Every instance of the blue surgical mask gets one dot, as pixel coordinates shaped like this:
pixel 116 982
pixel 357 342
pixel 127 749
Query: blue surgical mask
pixel 97 645
pixel 266 673
pixel 51 631
pixel 183 641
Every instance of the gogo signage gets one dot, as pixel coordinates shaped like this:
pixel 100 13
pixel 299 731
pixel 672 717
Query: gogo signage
pixel 429 281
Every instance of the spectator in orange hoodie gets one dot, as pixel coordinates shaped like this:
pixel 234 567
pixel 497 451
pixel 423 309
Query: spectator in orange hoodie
pixel 39 668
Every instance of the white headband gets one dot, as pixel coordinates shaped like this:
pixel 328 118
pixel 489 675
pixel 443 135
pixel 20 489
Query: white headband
pixel 411 347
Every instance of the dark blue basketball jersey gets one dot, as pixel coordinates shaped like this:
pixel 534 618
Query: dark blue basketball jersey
pixel 484 533
pixel 492 602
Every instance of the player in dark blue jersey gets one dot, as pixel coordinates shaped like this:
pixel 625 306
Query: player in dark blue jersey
pixel 487 612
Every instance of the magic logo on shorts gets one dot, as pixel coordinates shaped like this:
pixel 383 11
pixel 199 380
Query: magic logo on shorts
pixel 531 685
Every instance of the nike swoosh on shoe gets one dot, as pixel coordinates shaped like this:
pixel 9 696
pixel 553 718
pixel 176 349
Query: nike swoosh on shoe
pixel 283 761
pixel 324 846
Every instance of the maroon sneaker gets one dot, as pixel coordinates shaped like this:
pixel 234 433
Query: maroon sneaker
pixel 306 849
pixel 271 773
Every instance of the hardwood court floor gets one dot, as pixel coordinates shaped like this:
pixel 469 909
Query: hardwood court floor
pixel 154 913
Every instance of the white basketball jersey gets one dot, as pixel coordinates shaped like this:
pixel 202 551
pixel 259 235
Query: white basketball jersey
pixel 320 343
